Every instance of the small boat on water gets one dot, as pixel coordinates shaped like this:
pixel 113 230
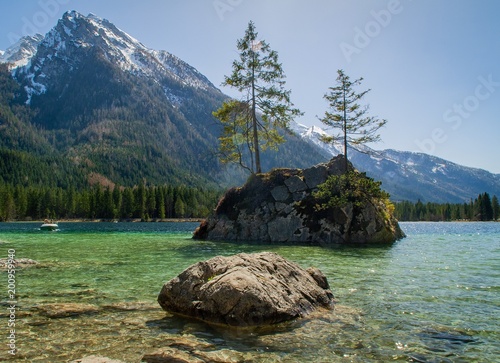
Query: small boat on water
pixel 48 226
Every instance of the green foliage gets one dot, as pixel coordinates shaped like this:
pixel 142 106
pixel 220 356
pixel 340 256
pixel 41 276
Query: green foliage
pixel 484 210
pixel 235 138
pixel 352 187
pixel 251 124
pixel 480 209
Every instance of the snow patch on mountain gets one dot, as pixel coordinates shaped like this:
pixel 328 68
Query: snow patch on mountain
pixel 183 71
pixel 35 88
pixel 439 168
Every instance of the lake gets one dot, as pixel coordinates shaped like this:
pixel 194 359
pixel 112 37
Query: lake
pixel 431 297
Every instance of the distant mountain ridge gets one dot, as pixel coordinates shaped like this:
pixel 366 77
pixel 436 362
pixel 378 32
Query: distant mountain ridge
pixel 90 102
pixel 410 175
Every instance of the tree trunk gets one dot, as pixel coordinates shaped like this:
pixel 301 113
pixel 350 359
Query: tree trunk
pixel 345 132
pixel 258 168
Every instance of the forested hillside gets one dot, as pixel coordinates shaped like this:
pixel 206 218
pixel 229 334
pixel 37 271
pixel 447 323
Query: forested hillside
pixel 26 155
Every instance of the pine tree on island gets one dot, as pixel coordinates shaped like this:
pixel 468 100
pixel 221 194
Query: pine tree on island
pixel 354 127
pixel 253 123
pixel 348 116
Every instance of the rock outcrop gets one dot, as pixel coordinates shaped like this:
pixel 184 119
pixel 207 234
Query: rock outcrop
pixel 279 207
pixel 246 290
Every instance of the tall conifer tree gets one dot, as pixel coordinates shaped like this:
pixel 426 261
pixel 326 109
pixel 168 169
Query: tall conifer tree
pixel 252 124
pixel 347 115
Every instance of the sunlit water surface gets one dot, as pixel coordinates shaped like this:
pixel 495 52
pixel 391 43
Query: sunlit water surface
pixel 432 297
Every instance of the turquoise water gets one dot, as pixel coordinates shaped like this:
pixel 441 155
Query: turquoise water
pixel 431 297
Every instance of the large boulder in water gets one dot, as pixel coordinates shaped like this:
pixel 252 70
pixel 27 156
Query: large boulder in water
pixel 246 290
pixel 280 206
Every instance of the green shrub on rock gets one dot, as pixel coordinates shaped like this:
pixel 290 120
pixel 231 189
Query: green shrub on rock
pixel 352 187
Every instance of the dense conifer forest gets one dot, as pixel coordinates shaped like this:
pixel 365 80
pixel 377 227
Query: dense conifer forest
pixel 483 208
pixel 142 202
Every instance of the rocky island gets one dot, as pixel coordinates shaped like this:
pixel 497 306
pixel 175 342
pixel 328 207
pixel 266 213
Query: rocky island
pixel 286 206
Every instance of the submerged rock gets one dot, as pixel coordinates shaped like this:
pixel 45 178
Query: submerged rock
pixel 246 290
pixel 17 263
pixel 63 310
pixel 279 207
pixel 131 306
pixel 96 359
pixel 169 354
pixel 172 354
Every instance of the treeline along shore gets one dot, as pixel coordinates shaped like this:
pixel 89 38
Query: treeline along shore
pixel 18 203
pixel 483 208
pixel 181 203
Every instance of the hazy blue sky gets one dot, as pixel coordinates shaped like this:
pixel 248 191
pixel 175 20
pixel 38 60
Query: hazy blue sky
pixel 433 66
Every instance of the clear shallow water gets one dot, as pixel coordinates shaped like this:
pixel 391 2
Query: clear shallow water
pixel 432 297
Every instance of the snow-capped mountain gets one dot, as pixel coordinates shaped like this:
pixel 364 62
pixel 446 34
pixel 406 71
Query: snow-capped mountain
pixel 20 53
pixel 410 175
pixel 76 34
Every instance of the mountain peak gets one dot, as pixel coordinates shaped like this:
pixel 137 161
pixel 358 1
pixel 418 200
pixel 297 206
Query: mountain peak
pixel 73 16
pixel 75 37
pixel 70 14
pixel 19 53
pixel 89 31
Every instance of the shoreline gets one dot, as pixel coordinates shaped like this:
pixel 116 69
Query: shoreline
pixel 128 220
pixel 186 220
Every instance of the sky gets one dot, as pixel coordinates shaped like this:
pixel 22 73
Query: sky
pixel 433 67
